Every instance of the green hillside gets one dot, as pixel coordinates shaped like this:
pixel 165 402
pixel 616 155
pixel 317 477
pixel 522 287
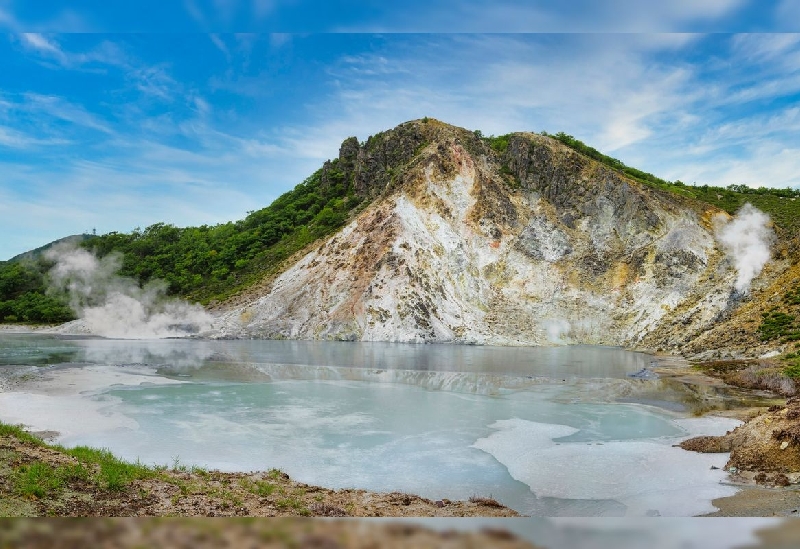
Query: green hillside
pixel 206 263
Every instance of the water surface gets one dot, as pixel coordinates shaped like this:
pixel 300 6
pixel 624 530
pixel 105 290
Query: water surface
pixel 540 429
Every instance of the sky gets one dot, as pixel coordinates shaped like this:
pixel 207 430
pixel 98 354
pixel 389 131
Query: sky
pixel 117 115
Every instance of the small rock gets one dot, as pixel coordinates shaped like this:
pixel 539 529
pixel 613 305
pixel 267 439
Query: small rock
pixel 733 470
pixel 439 503
pixel 784 445
pixel 714 468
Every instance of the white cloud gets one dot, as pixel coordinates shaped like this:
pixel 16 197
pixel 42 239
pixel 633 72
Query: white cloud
pixel 151 80
pixel 10 137
pixel 657 102
pixel 59 108
pixel 39 42
pixel 220 44
pixel 672 118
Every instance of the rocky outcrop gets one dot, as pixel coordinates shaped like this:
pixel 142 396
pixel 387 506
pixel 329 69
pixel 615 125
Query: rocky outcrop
pixel 766 449
pixel 532 245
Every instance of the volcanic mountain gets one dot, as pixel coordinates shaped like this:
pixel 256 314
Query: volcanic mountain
pixel 521 242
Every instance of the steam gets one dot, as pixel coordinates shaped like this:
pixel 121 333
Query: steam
pixel 746 239
pixel 557 330
pixel 110 305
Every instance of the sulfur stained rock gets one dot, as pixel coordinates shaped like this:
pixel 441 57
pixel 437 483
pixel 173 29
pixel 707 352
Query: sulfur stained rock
pixel 461 243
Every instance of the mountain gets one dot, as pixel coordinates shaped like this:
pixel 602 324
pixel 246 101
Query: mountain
pixel 519 240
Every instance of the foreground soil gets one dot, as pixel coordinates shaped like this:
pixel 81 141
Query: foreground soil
pixel 199 534
pixel 41 480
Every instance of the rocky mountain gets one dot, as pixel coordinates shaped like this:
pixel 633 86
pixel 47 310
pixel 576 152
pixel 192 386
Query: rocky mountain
pixel 521 241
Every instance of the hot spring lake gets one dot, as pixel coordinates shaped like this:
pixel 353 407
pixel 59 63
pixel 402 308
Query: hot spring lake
pixel 550 431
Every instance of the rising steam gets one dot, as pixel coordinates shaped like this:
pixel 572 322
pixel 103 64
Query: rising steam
pixel 110 305
pixel 746 239
pixel 557 330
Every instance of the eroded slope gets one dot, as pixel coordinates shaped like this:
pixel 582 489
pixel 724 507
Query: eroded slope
pixel 533 245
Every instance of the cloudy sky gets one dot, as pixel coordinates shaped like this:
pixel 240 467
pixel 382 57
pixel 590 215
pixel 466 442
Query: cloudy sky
pixel 116 117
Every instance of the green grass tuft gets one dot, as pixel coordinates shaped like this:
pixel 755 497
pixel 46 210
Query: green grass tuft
pixel 37 480
pixel 20 433
pixel 111 472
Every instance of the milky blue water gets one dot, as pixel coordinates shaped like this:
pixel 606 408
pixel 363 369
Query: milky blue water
pixel 539 429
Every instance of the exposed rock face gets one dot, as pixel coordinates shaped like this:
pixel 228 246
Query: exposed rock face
pixel 535 245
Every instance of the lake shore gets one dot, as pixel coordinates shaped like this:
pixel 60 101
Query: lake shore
pixel 39 479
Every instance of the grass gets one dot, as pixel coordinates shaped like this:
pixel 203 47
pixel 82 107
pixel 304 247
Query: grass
pixel 41 479
pixel 37 480
pixel 96 466
pixel 111 472
pixel 293 503
pixel 19 433
pixel 259 487
pixel 488 502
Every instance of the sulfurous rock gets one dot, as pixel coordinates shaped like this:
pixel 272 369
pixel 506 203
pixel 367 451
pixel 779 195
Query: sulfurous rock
pixel 533 245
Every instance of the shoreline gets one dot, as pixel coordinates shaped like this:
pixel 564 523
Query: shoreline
pixel 41 479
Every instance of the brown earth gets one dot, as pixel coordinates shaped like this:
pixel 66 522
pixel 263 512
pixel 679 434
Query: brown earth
pixel 764 450
pixel 197 492
pixel 200 534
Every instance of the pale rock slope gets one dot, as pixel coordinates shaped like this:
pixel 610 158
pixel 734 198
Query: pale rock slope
pixel 533 245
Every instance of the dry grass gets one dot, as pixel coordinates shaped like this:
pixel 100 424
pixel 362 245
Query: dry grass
pixel 486 502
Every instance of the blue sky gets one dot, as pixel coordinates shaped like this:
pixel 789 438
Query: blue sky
pixel 186 123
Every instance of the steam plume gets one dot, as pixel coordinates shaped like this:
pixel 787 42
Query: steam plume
pixel 110 305
pixel 556 330
pixel 746 239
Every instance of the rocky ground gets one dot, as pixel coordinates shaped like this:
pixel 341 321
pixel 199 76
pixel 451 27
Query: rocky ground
pixel 37 479
pixel 764 460
pixel 765 450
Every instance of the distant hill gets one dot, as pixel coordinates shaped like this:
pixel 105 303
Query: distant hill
pixel 75 239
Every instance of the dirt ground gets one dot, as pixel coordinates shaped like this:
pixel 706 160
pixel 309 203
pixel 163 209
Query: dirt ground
pixel 242 533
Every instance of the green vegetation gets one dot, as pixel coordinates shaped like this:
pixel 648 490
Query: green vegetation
pixel 782 205
pixel 37 480
pixel 778 325
pixel 593 153
pixel 792 369
pixel 199 263
pixel 111 473
pixel 792 297
pixel 23 297
pixel 88 467
pixel 206 263
pixel 498 143
pixel 19 433
pixel 782 324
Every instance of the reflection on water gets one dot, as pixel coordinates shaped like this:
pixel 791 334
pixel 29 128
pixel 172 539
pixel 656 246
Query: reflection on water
pixel 555 362
pixel 537 428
